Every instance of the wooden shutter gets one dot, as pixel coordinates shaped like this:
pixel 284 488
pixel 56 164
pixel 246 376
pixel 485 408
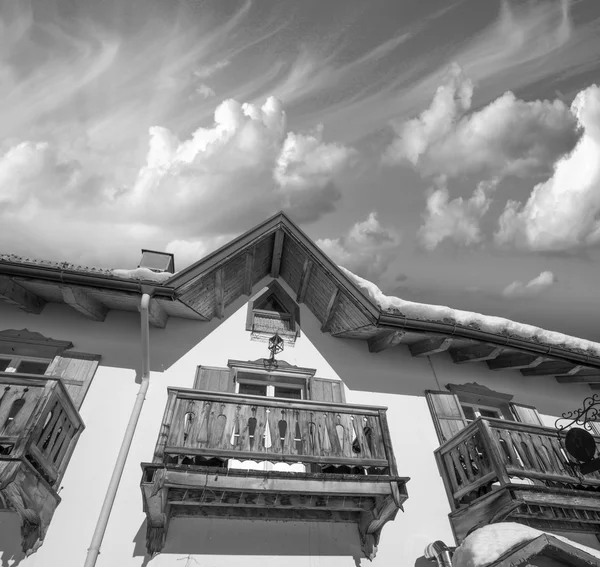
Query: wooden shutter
pixel 324 390
pixel 214 379
pixel 447 414
pixel 526 414
pixel 76 370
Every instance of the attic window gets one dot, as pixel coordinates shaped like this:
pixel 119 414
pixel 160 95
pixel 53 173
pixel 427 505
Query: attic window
pixel 272 311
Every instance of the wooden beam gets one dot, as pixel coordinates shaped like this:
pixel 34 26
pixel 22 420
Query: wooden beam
pixel 277 251
pixel 248 271
pixel 385 340
pixel 475 353
pixel 566 379
pixel 553 368
pixel 430 346
pixel 84 303
pixel 330 312
pixel 304 279
pixel 15 294
pixel 158 316
pixel 219 294
pixel 515 361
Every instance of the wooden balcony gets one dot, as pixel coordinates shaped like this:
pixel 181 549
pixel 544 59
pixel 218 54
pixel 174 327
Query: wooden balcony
pixel 345 450
pixel 496 470
pixel 39 428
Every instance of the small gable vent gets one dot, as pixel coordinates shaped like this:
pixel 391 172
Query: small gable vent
pixel 157 261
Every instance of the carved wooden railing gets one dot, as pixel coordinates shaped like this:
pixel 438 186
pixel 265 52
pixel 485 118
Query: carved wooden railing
pixel 496 452
pixel 39 428
pixel 225 426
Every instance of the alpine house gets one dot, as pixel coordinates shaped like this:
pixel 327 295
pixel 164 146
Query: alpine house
pixel 265 406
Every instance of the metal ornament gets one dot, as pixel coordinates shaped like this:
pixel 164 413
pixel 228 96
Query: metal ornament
pixel 276 345
pixel 578 442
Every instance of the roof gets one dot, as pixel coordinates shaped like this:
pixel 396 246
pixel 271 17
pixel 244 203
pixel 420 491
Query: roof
pixel 347 306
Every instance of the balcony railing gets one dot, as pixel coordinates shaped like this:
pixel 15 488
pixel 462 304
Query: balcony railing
pixel 349 473
pixel 39 427
pixel 496 469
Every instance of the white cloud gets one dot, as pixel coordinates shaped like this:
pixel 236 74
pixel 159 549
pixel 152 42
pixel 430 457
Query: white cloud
pixel 205 91
pixel 533 287
pixel 366 249
pixel 456 220
pixel 563 212
pixel 189 251
pixel 508 136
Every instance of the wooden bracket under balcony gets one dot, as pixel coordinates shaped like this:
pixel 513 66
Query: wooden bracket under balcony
pixel 184 491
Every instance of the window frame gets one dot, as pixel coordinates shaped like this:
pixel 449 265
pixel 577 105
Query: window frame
pixel 269 379
pixel 15 360
pixel 477 407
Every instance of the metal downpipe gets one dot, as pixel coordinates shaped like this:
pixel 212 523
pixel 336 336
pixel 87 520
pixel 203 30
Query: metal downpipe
pixel 111 493
pixel 439 551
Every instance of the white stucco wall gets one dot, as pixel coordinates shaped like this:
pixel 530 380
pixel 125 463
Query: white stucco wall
pixel 392 378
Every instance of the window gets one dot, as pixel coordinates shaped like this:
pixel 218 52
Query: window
pixel 267 385
pixel 472 412
pixel 272 311
pixel 24 364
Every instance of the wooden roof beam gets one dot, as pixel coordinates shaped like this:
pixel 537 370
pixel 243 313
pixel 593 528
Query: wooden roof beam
pixel 515 361
pixel 565 379
pixel 15 294
pixel 334 301
pixel 304 279
pixel 385 340
pixel 475 353
pixel 277 251
pixel 249 268
pixel 553 368
pixel 219 294
pixel 430 346
pixel 84 303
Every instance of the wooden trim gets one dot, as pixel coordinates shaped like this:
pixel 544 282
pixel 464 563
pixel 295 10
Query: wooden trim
pixel 18 295
pixel 430 346
pixel 334 301
pixel 475 390
pixel 219 294
pixel 475 353
pixel 276 457
pixel 515 361
pixel 385 340
pixel 82 302
pixel 277 251
pixel 259 366
pixel 304 280
pixel 567 379
pixel 552 368
pixel 249 267
pixel 190 394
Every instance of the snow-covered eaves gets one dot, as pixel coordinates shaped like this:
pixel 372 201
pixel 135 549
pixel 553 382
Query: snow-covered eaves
pixel 506 544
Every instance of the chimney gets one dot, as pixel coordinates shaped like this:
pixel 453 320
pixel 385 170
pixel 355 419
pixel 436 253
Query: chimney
pixel 157 261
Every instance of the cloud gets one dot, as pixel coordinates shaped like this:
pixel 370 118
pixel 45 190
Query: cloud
pixel 456 220
pixel 189 251
pixel 508 136
pixel 366 249
pixel 562 213
pixel 532 288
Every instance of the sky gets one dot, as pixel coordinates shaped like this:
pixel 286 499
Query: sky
pixel 448 150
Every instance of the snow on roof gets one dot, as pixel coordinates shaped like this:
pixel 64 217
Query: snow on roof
pixel 65 266
pixel 143 274
pixel 489 543
pixel 488 323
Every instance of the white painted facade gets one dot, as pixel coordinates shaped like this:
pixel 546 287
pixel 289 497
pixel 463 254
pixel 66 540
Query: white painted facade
pixel 392 378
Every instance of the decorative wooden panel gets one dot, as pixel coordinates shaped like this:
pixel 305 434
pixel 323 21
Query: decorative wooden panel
pixel 76 370
pixel 214 379
pixel 319 292
pixel 324 390
pixel 447 414
pixel 526 414
pixel 292 261
pixel 348 316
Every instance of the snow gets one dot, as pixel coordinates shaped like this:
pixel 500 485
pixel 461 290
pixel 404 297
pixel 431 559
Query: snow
pixel 488 323
pixel 144 274
pixel 489 543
